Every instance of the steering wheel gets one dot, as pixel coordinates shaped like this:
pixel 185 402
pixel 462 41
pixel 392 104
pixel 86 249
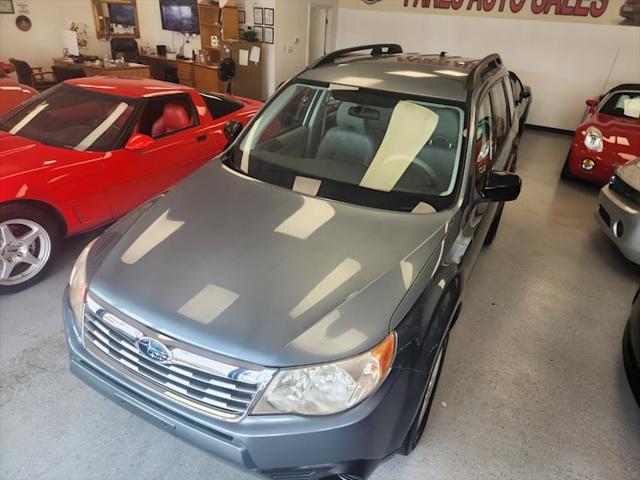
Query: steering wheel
pixel 426 172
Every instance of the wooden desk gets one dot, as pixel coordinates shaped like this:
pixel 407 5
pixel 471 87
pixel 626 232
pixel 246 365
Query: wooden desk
pixel 127 70
pixel 194 74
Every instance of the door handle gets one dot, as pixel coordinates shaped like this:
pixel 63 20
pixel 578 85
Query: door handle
pixel 201 138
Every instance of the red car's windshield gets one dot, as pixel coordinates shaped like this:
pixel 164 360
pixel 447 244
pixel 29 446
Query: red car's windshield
pixel 72 117
pixel 615 104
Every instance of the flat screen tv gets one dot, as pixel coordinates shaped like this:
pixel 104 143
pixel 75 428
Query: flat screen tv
pixel 180 15
pixel 122 14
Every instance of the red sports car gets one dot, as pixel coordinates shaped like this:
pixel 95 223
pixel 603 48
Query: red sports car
pixel 88 151
pixel 608 136
pixel 12 93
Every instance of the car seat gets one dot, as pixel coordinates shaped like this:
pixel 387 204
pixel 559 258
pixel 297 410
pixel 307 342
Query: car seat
pixel 174 117
pixel 348 140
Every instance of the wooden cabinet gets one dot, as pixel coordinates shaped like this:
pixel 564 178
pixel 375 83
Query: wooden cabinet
pixel 206 78
pixel 185 73
pixel 217 23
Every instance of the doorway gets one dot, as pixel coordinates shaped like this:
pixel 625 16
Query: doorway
pixel 319 26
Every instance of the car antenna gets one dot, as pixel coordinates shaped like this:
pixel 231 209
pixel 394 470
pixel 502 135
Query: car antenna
pixel 610 71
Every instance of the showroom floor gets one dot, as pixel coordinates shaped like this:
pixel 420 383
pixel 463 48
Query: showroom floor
pixel 533 385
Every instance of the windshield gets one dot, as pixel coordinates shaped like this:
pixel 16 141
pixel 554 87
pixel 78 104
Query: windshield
pixel 361 146
pixel 622 104
pixel 72 117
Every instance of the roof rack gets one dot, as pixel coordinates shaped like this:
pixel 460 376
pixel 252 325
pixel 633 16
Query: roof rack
pixel 376 51
pixel 487 63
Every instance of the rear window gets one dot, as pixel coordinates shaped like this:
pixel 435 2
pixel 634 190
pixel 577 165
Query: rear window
pixel 72 117
pixel 220 106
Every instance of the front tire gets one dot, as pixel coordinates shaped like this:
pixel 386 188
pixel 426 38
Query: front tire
pixel 29 242
pixel 420 422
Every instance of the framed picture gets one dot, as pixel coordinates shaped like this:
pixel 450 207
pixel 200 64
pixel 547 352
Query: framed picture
pixel 6 6
pixel 268 35
pixel 268 16
pixel 242 16
pixel 259 33
pixel 258 15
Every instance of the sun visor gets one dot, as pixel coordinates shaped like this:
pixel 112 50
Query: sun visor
pixel 410 127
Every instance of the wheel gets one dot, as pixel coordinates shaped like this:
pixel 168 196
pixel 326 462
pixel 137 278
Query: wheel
pixel 29 241
pixel 493 229
pixel 420 422
pixel 566 173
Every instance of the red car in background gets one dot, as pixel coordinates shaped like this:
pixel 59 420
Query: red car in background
pixel 12 93
pixel 88 151
pixel 608 136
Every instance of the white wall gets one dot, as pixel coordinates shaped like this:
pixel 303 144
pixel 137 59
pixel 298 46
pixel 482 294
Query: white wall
pixel 564 63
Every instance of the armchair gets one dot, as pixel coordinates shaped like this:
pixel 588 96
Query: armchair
pixel 32 76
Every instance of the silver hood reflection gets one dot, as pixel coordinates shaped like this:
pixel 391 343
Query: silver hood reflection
pixel 261 273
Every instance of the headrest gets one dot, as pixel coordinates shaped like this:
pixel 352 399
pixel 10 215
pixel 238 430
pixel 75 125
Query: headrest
pixel 175 117
pixel 345 120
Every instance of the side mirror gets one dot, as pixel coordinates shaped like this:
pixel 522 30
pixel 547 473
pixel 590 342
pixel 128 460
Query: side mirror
pixel 139 141
pixel 592 103
pixel 501 187
pixel 232 129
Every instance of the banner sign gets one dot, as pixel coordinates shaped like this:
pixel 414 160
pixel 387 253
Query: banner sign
pixel 606 12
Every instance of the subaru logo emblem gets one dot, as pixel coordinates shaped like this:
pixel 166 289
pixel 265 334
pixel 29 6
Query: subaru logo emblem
pixel 154 350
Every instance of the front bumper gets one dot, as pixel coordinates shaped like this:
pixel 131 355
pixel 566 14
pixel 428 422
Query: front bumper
pixel 276 446
pixel 620 221
pixel 604 168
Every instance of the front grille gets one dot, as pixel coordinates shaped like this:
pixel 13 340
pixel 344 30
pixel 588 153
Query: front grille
pixel 191 377
pixel 625 190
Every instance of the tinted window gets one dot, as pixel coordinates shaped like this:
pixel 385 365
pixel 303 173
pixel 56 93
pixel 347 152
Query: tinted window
pixel 363 146
pixel 510 102
pixel 165 115
pixel 615 104
pixel 501 121
pixel 72 117
pixel 484 144
pixel 219 106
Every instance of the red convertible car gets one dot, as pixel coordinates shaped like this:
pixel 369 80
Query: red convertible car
pixel 88 151
pixel 608 136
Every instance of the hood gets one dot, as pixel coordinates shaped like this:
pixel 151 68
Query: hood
pixel 630 173
pixel 261 273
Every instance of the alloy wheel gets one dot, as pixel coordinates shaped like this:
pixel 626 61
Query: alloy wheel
pixel 25 248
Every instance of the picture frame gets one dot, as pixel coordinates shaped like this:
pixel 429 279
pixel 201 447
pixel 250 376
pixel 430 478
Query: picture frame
pixel 242 16
pixel 6 6
pixel 258 15
pixel 259 33
pixel 268 35
pixel 269 15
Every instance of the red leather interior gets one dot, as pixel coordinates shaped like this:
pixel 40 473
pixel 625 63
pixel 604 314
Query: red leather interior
pixel 174 117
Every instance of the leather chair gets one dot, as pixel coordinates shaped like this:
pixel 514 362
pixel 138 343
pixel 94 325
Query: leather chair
pixel 67 73
pixel 27 75
pixel 126 47
pixel 174 117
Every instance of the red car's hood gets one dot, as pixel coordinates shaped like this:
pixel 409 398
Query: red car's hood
pixel 621 134
pixel 19 155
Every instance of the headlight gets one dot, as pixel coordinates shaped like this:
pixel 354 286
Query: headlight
pixel 593 139
pixel 78 286
pixel 330 387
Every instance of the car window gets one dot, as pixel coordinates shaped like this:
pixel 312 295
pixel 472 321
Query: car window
pixel 220 106
pixel 510 101
pixel 166 115
pixel 501 121
pixel 72 117
pixel 615 104
pixel 484 143
pixel 516 85
pixel 363 146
